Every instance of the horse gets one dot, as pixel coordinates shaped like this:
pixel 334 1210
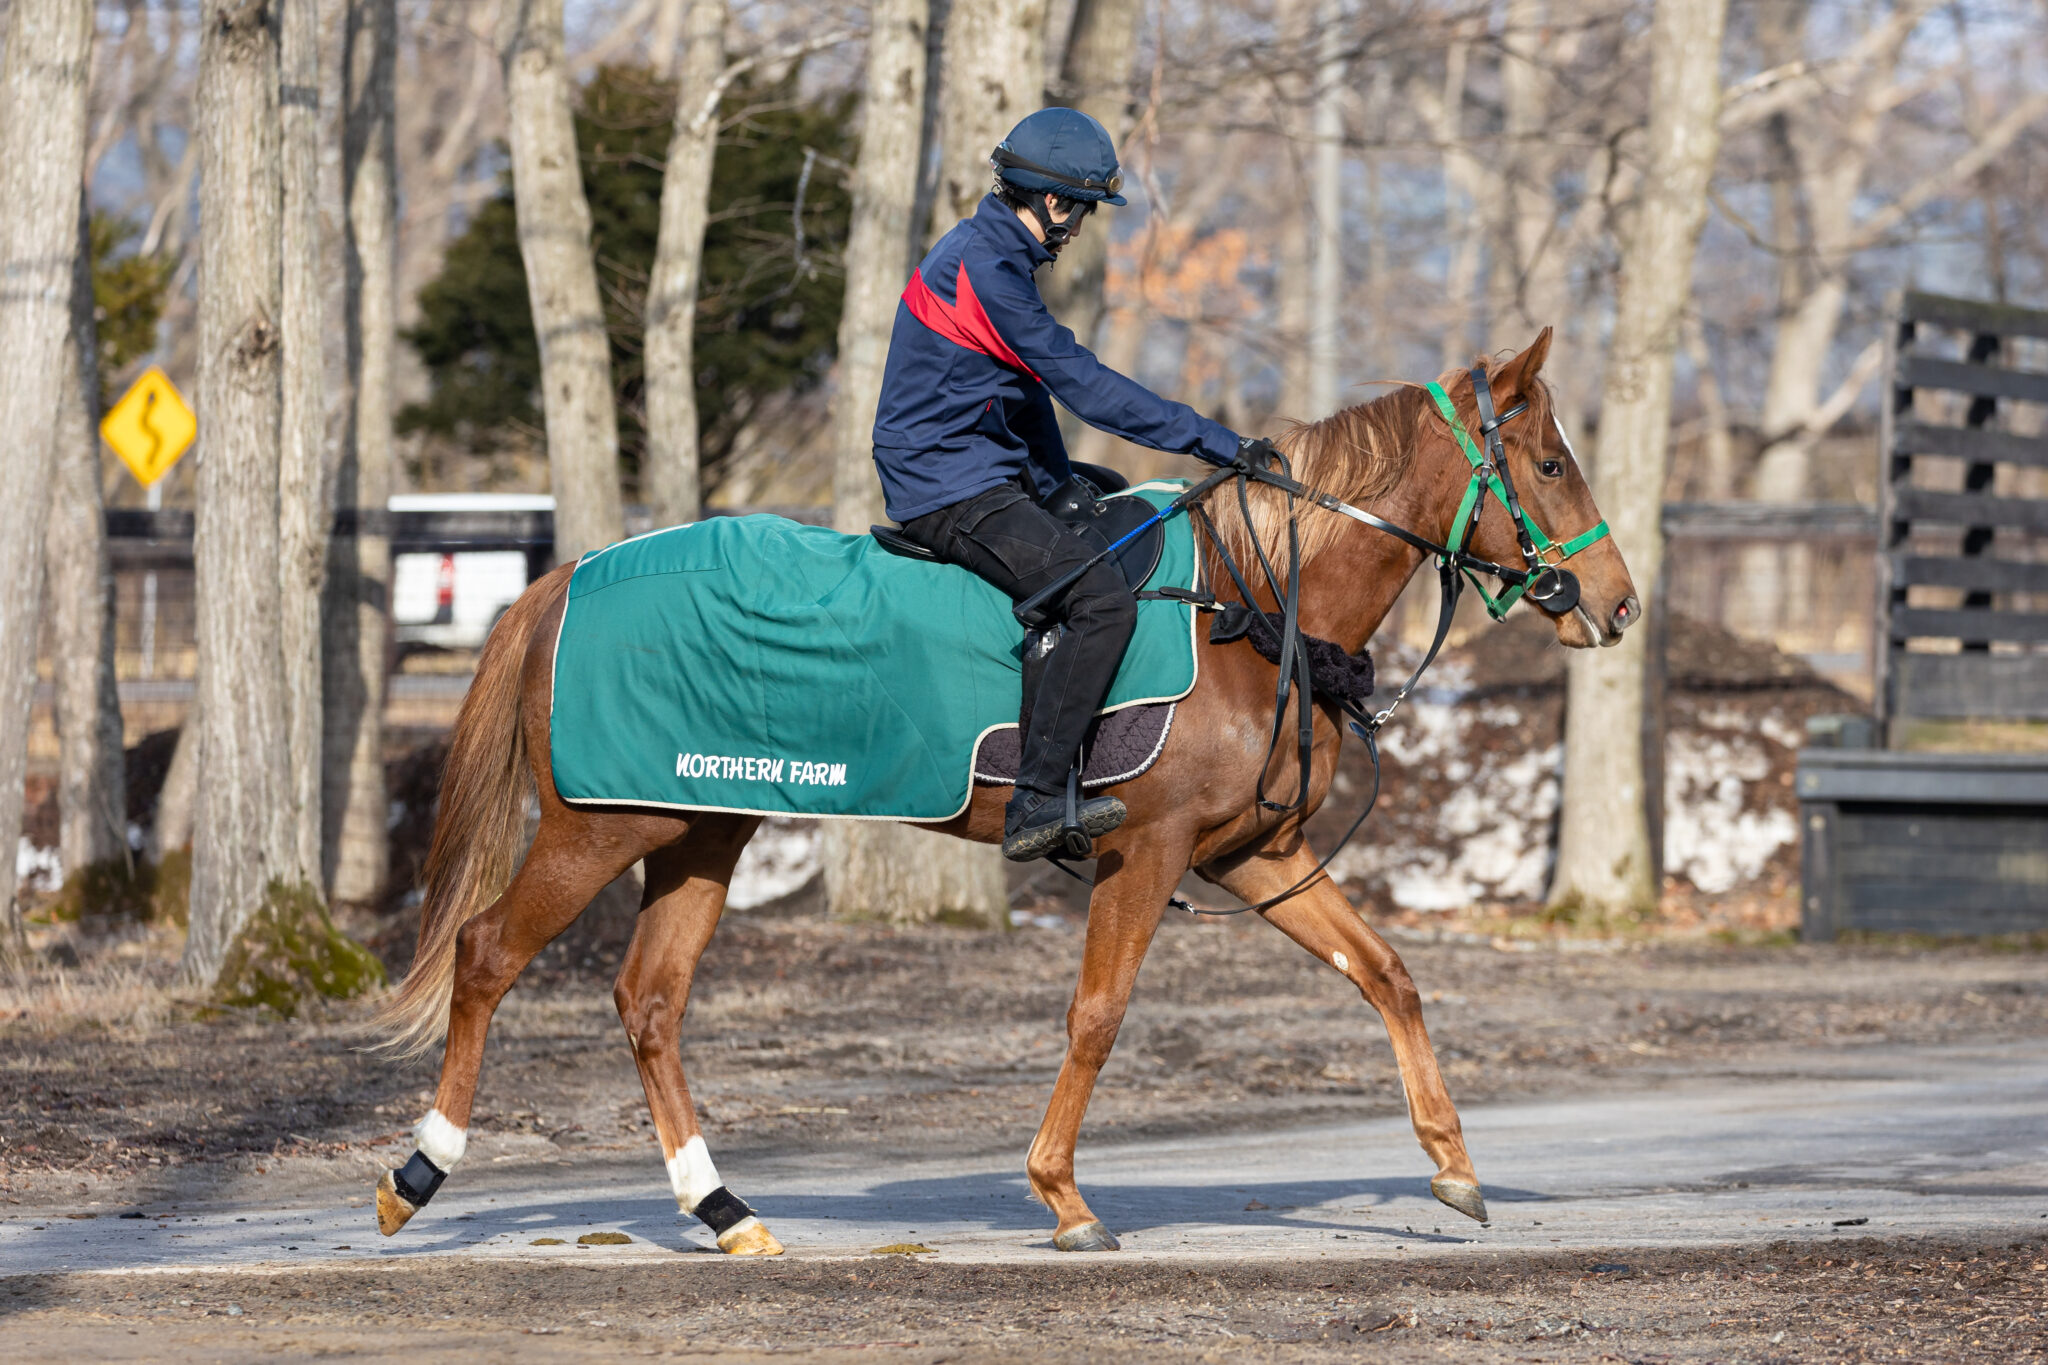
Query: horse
pixel 1199 807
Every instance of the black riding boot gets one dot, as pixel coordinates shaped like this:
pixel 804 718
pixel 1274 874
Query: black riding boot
pixel 1035 824
pixel 1009 540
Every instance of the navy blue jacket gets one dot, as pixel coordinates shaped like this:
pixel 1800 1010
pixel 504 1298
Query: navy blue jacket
pixel 974 364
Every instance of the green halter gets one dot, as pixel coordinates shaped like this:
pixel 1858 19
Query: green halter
pixel 1488 476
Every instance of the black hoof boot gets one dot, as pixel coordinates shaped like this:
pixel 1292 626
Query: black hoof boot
pixel 1036 825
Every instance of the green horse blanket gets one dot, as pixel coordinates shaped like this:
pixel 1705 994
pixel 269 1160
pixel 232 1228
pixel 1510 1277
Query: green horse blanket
pixel 755 664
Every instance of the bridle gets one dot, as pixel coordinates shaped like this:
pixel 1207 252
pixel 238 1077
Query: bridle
pixel 1541 578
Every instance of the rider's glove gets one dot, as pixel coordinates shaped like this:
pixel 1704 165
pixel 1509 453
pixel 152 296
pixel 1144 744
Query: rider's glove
pixel 1256 452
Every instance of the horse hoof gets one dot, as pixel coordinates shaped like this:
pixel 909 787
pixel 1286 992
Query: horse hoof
pixel 749 1237
pixel 393 1212
pixel 1088 1237
pixel 1461 1195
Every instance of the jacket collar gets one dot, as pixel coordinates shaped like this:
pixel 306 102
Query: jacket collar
pixel 1007 231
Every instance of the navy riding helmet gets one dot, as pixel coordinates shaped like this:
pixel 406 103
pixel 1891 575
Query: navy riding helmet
pixel 1062 151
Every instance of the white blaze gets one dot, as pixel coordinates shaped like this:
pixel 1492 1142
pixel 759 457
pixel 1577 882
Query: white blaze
pixel 440 1141
pixel 691 1174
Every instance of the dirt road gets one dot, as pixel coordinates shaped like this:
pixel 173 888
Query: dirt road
pixel 1894 1208
pixel 1669 1136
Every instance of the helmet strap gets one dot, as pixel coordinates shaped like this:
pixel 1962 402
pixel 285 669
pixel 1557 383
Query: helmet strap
pixel 1056 234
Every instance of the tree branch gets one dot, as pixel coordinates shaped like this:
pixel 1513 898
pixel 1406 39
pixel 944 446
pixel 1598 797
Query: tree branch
pixel 708 110
pixel 1996 139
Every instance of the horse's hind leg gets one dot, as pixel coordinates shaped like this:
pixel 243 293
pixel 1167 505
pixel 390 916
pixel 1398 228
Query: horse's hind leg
pixel 1322 921
pixel 686 886
pixel 574 856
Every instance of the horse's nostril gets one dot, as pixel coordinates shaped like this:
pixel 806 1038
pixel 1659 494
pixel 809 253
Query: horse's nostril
pixel 1627 614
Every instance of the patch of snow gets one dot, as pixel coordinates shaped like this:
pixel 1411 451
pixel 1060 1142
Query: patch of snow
pixel 37 869
pixel 782 856
pixel 1774 728
pixel 1709 837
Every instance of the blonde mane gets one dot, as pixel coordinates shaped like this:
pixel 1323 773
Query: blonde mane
pixel 1356 454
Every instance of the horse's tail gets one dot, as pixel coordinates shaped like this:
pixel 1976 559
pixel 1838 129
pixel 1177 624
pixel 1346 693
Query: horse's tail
pixel 481 823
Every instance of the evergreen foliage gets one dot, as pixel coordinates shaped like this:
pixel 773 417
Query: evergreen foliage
pixel 128 294
pixel 767 311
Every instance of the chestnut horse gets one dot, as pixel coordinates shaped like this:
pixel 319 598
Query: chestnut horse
pixel 1196 808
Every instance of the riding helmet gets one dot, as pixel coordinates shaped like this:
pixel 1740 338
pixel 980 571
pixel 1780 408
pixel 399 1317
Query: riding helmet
pixel 1063 151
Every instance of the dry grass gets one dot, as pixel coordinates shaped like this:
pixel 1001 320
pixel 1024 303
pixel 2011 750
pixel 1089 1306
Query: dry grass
pixel 126 986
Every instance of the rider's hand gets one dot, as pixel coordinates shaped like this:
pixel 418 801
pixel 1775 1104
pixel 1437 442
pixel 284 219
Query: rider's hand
pixel 1257 452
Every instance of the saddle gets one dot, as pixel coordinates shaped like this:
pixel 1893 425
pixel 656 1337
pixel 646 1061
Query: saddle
pixel 1082 502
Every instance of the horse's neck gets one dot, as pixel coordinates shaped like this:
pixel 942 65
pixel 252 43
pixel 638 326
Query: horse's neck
pixel 1350 587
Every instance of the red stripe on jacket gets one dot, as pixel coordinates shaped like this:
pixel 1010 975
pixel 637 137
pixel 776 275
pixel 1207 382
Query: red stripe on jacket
pixel 964 322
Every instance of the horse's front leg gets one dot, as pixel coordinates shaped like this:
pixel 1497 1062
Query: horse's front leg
pixel 1321 920
pixel 1132 884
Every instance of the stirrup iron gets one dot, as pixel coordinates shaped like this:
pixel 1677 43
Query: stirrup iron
pixel 1074 839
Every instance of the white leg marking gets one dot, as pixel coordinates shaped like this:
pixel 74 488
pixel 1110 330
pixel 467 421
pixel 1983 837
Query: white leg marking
pixel 1340 962
pixel 440 1141
pixel 691 1174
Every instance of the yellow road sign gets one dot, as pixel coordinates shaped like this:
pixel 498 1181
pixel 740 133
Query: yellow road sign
pixel 150 427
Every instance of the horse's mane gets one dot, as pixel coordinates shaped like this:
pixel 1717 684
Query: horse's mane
pixel 1357 453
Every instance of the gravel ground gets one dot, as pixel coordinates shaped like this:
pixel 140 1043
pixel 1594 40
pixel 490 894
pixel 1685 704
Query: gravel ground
pixel 1859 1301
pixel 808 1034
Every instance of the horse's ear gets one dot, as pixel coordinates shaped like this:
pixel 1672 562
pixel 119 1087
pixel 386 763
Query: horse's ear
pixel 1518 376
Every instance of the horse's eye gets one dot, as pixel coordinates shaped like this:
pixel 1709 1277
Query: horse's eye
pixel 1552 469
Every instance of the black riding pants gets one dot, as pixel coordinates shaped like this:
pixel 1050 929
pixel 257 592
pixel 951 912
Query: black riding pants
pixel 1012 542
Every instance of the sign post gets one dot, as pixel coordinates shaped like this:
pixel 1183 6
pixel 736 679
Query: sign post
pixel 150 428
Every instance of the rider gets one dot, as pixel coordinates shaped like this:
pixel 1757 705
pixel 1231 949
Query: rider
pixel 967 443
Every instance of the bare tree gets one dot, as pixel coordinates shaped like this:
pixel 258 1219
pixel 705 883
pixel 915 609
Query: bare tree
pixel 244 838
pixel 561 280
pixel 91 785
pixel 878 248
pixel 669 474
pixel 1604 862
pixel 1822 141
pixel 358 619
pixel 1326 287
pixel 874 869
pixel 42 153
pixel 302 503
pixel 993 75
pixel 1095 77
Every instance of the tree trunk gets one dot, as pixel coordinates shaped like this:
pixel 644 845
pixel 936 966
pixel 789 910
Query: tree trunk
pixel 1326 287
pixel 1605 864
pixel 879 255
pixel 669 477
pixel 874 869
pixel 561 280
pixel 42 152
pixel 994 75
pixel 1532 287
pixel 302 504
pixel 92 798
pixel 1095 77
pixel 358 645
pixel 244 837
pixel 907 875
pixel 172 828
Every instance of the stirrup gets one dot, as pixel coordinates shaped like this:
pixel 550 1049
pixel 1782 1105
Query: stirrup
pixel 1074 839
